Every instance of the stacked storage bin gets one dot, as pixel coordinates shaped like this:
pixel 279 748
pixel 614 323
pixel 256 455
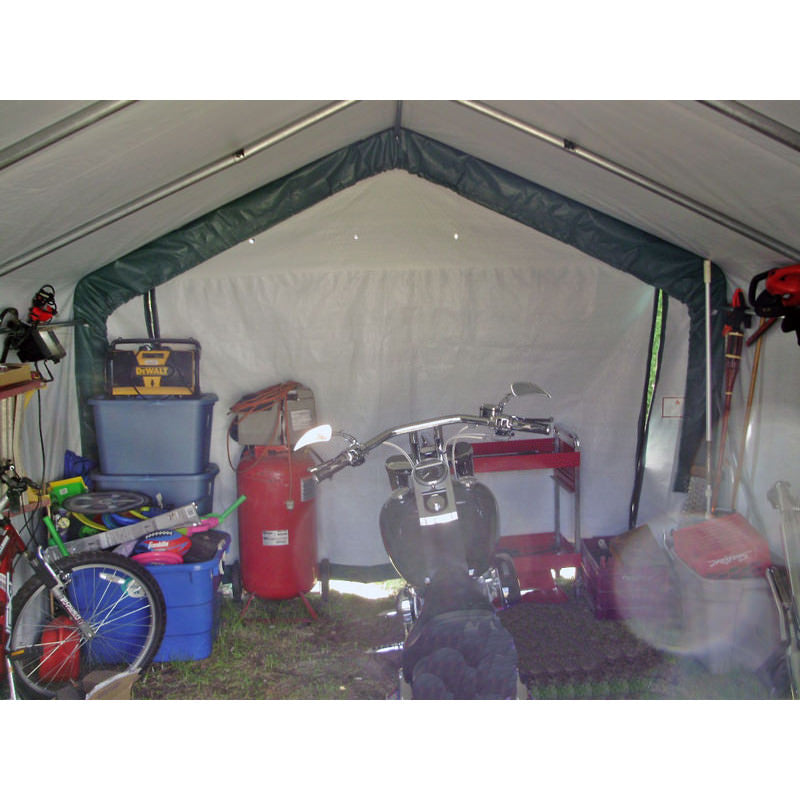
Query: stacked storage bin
pixel 191 592
pixel 153 431
pixel 156 445
pixel 160 446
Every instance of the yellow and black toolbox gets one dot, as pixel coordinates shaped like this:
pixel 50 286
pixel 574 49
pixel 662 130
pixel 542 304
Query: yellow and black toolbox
pixel 153 367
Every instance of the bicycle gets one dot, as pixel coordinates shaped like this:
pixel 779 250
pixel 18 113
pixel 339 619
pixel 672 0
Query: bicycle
pixel 79 613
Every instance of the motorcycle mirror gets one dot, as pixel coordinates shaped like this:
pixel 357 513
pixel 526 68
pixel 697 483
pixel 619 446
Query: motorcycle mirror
pixel 317 435
pixel 520 388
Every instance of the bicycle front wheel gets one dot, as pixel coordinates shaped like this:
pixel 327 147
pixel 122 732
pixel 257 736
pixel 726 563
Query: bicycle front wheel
pixel 118 598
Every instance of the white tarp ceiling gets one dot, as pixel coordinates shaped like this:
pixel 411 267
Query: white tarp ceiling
pixel 73 201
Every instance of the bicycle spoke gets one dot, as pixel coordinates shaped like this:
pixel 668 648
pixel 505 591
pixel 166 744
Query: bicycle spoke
pixel 120 602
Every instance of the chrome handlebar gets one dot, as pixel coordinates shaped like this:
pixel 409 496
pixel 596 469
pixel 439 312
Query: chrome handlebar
pixel 503 424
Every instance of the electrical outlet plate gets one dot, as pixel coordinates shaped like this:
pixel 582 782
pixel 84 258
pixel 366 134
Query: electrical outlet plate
pixel 671 407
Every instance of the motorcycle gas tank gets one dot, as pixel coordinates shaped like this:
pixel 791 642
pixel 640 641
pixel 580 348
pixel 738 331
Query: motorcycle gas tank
pixel 418 551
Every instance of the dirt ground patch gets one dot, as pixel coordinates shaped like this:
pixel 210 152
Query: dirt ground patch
pixel 565 653
pixel 276 650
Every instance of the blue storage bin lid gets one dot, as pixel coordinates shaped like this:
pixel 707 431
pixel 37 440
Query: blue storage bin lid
pixel 200 399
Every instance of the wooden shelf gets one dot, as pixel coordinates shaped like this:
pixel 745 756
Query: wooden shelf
pixel 21 388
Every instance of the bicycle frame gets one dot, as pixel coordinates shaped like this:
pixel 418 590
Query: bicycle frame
pixel 12 547
pixel 44 564
pixel 130 601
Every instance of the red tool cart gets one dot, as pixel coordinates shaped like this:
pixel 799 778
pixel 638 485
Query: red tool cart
pixel 537 556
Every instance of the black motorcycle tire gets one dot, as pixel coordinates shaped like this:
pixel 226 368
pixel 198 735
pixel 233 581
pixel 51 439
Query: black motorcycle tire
pixel 509 580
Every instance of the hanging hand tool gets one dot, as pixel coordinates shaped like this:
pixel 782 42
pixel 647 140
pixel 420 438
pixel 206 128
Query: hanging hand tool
pixel 738 318
pixel 765 325
pixel 780 296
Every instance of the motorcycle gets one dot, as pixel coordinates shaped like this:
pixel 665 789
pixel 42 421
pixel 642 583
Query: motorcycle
pixel 439 527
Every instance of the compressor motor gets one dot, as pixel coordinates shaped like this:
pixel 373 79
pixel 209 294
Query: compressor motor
pixel 277 415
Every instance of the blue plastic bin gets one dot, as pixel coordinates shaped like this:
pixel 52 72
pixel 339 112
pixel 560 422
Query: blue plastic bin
pixel 191 592
pixel 175 490
pixel 142 435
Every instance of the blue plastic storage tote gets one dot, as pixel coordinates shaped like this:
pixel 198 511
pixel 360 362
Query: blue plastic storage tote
pixel 175 490
pixel 191 592
pixel 143 435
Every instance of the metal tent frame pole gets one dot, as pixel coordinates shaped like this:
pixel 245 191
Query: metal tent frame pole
pixel 709 390
pixel 62 129
pixel 759 122
pixel 171 188
pixel 643 181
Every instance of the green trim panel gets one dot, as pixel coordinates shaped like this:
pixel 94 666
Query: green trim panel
pixel 622 246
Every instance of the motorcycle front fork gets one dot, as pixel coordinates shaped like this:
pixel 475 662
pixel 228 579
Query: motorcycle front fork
pixel 492 586
pixel 408 607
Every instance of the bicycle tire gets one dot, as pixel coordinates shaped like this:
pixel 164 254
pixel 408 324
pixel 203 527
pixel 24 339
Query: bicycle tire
pixel 120 599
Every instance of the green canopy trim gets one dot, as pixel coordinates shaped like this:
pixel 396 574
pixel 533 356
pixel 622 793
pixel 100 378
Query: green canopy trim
pixel 622 246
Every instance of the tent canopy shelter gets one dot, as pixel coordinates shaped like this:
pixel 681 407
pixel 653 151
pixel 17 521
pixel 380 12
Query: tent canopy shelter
pixel 571 218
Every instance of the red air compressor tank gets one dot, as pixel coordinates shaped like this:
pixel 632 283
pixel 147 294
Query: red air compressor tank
pixel 277 524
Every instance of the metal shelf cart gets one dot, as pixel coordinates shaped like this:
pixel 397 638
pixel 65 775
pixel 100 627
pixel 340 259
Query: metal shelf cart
pixel 538 556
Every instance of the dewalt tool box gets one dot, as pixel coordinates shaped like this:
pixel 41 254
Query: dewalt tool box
pixel 153 367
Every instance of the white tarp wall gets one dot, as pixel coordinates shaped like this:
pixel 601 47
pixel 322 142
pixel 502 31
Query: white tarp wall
pixel 309 301
pixel 772 441
pixel 397 300
pixel 49 422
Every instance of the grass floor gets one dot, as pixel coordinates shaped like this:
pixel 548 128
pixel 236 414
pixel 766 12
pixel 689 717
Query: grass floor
pixel 275 650
pixel 278 650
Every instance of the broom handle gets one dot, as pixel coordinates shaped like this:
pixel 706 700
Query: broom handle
pixel 707 281
pixel 765 325
pixel 748 409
